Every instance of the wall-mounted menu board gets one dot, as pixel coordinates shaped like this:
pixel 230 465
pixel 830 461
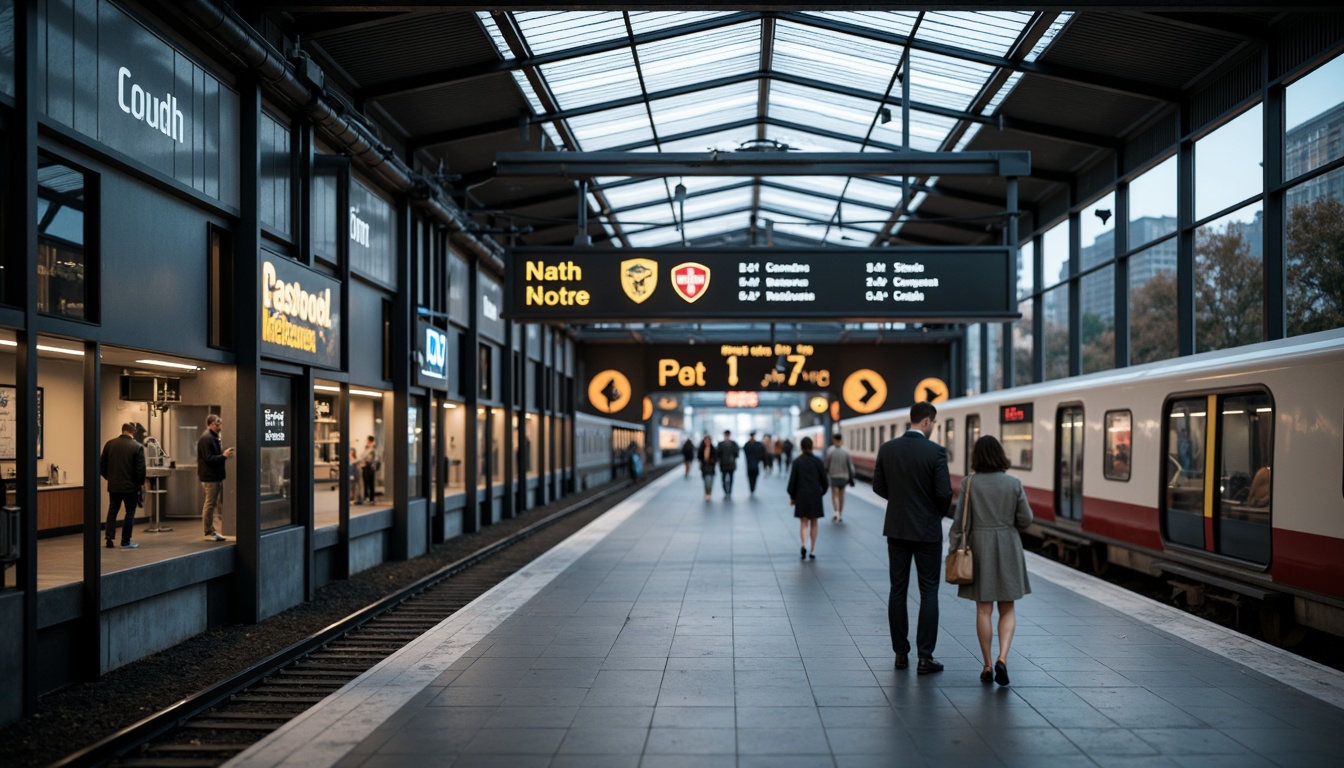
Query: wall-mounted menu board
pixel 9 423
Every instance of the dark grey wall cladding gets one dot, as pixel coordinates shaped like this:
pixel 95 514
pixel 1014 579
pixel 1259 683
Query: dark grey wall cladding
pixel 371 235
pixel 1156 139
pixel 1243 81
pixel 365 328
pixel 1301 43
pixel 324 215
pixel 1097 177
pixel 1053 209
pixel 103 74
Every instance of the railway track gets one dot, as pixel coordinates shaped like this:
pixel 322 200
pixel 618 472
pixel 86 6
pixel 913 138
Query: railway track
pixel 212 726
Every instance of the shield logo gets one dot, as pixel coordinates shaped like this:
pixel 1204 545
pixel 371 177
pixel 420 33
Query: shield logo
pixel 690 280
pixel 638 278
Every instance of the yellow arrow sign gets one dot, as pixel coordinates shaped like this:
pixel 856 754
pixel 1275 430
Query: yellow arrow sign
pixel 931 390
pixel 864 391
pixel 609 391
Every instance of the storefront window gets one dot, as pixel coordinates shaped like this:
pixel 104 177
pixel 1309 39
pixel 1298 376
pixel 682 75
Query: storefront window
pixel 1152 304
pixel 66 269
pixel 332 454
pixel 1227 164
pixel 277 448
pixel 1229 280
pixel 1315 251
pixel 415 448
pixel 367 429
pixel 455 438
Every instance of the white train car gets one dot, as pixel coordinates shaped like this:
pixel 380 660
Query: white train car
pixel 1220 470
pixel 601 445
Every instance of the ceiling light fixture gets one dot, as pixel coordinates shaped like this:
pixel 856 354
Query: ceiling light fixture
pixel 325 388
pixel 366 392
pixel 168 364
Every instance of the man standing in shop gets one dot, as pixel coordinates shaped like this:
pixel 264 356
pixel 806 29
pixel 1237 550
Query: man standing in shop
pixel 210 459
pixel 368 463
pixel 122 465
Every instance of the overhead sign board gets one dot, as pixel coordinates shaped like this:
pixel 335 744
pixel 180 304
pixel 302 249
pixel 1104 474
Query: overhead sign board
pixel 909 284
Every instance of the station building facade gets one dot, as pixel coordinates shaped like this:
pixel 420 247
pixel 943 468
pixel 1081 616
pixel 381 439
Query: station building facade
pixel 186 235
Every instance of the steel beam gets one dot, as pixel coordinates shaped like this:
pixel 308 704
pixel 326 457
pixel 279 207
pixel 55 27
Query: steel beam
pixel 590 164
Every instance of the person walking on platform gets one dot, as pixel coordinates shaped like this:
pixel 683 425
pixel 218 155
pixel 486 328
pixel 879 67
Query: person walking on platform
pixel 122 465
pixel 779 454
pixel 999 511
pixel 709 458
pixel 728 452
pixel 807 488
pixel 768 453
pixel 840 470
pixel 754 451
pixel 210 459
pixel 911 474
pixel 688 455
pixel 786 449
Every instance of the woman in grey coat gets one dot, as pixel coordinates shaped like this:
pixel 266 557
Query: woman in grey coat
pixel 999 510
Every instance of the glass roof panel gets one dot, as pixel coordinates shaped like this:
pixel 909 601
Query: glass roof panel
pixel 724 141
pixel 863 217
pixel 821 109
pixel 1004 90
pixel 703 56
pixel 593 79
pixel 810 206
pixel 891 22
pixel 874 192
pixel 548 31
pixel 653 21
pixel 703 109
pixel 945 82
pixel 648 238
pixel 707 205
pixel 992 32
pixel 831 186
pixel 848 237
pixel 835 57
pixel 928 131
pixel 967 137
pixel 611 128
pixel 633 195
pixel 804 141
pixel 657 215
pixel 1049 37
pixel 706 227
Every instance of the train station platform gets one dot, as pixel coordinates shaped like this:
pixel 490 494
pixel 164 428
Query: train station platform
pixel 678 632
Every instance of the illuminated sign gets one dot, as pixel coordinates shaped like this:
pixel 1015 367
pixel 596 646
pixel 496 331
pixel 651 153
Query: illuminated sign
pixel 609 391
pixel 864 391
pixel 432 346
pixel 931 390
pixel 941 284
pixel 818 405
pixel 741 399
pixel 274 425
pixel 1013 414
pixel 299 318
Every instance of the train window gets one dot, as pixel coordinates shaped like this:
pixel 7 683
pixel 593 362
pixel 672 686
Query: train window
pixel 951 440
pixel 1183 470
pixel 872 437
pixel 1015 423
pixel 972 435
pixel 1119 427
pixel 1245 452
pixel 881 434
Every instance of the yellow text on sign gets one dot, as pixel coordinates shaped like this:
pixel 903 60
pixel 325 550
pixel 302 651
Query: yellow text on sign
pixel 931 390
pixel 685 375
pixel 864 391
pixel 609 391
pixel 551 296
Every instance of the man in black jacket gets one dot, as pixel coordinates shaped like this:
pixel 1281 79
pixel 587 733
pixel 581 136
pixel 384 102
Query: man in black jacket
pixel 122 465
pixel 754 451
pixel 210 460
pixel 911 474
pixel 728 452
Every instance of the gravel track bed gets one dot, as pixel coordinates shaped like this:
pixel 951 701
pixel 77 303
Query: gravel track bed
pixel 82 714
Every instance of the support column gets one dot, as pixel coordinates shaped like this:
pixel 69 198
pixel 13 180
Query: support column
pixel 401 354
pixel 1122 276
pixel 1075 289
pixel 471 377
pixel 1185 238
pixel 1275 264
pixel 246 426
pixel 88 651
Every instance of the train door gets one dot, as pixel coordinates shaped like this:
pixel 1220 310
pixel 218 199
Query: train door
pixel 972 435
pixel 1069 463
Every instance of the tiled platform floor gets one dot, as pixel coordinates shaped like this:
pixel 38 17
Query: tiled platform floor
pixel 692 635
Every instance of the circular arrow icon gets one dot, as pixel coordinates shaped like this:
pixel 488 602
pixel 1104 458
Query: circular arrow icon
pixel 931 390
pixel 609 391
pixel 864 391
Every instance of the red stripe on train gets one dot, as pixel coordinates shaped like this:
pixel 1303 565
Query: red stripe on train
pixel 1309 561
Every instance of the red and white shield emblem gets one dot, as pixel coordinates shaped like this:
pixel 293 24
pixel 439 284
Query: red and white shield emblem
pixel 690 280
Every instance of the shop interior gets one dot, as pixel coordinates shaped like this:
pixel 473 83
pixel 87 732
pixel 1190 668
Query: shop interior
pixel 168 399
pixel 368 407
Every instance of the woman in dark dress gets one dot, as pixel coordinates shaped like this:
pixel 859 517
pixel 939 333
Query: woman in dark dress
pixel 807 489
pixel 709 458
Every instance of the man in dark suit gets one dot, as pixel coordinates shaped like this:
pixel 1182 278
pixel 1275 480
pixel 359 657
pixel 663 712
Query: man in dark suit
pixel 911 474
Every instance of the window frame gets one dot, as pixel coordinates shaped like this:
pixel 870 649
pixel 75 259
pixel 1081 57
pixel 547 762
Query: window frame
pixel 1106 446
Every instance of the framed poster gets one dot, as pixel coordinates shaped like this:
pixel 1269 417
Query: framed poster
pixel 9 423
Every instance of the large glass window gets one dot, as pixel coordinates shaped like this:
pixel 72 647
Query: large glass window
pixel 1152 204
pixel 369 439
pixel 1119 429
pixel 1097 321
pixel 1097 223
pixel 1228 164
pixel 1315 254
pixel 994 373
pixel 1026 269
pixel 415 448
pixel 1055 255
pixel 1183 471
pixel 332 454
pixel 1023 341
pixel 1314 120
pixel 66 267
pixel 1056 303
pixel 1152 304
pixel 275 199
pixel 1229 280
pixel 974 382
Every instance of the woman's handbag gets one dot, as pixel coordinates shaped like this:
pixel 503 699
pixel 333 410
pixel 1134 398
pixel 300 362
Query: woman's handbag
pixel 960 568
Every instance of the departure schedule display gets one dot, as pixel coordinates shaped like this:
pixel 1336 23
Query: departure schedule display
pixel 692 284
